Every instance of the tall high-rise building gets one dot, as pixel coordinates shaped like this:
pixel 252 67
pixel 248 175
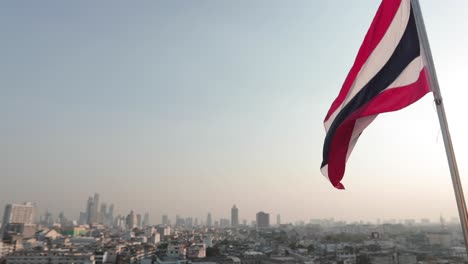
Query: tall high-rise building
pixel 89 210
pixel 62 219
pixel 92 209
pixel 103 208
pixel 165 220
pixel 263 220
pixel 111 210
pixel 139 220
pixel 110 216
pixel 131 220
pixel 96 200
pixel 209 221
pixel 19 214
pixel 48 219
pixel 95 211
pixel 102 213
pixel 234 216
pixel 189 222
pixel 179 221
pixel 278 219
pixel 83 218
pixel 146 220
pixel 223 222
pixel 120 222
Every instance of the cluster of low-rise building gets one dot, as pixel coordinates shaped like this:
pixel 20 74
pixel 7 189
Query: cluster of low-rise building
pixel 322 241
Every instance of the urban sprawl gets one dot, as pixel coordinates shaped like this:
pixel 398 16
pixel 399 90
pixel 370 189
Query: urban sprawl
pixel 98 236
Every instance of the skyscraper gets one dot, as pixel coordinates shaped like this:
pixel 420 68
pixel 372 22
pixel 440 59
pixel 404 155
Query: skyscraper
pixel 179 221
pixel 234 216
pixel 146 220
pixel 278 219
pixel 95 211
pixel 263 220
pixel 131 220
pixel 165 220
pixel 102 213
pixel 110 216
pixel 92 209
pixel 223 222
pixel 104 208
pixel 19 214
pixel 19 218
pixel 62 219
pixel 89 210
pixel 83 218
pixel 139 220
pixel 189 222
pixel 209 221
pixel 48 219
pixel 111 210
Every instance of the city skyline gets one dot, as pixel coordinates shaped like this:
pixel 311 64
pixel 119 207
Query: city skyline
pixel 108 217
pixel 172 108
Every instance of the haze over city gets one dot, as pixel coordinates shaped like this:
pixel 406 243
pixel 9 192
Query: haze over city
pixel 189 107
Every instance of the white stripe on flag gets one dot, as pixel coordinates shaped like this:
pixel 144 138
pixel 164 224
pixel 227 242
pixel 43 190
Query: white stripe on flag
pixel 379 56
pixel 408 76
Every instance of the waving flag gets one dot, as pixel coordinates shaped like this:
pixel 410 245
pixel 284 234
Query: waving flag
pixel 388 75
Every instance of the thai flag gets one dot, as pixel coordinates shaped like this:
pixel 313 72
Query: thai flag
pixel 388 74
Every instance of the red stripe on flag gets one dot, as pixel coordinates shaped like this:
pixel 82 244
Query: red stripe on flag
pixel 388 101
pixel 397 98
pixel 338 152
pixel 380 24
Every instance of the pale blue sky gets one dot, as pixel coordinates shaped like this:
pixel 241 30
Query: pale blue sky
pixel 191 106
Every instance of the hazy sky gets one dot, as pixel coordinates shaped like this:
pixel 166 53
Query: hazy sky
pixel 189 107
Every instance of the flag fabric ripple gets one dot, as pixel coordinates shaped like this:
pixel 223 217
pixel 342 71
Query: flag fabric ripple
pixel 388 74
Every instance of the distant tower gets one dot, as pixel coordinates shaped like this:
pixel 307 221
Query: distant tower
pixel 62 219
pixel 111 210
pixel 189 222
pixel 92 209
pixel 139 220
pixel 104 208
pixel 95 211
pixel 110 216
pixel 48 220
pixel 89 210
pixel 179 221
pixel 131 220
pixel 102 213
pixel 234 216
pixel 209 221
pixel 278 219
pixel 165 220
pixel 19 214
pixel 263 220
pixel 146 220
pixel 443 226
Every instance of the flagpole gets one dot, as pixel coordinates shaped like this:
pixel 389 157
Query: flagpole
pixel 434 85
